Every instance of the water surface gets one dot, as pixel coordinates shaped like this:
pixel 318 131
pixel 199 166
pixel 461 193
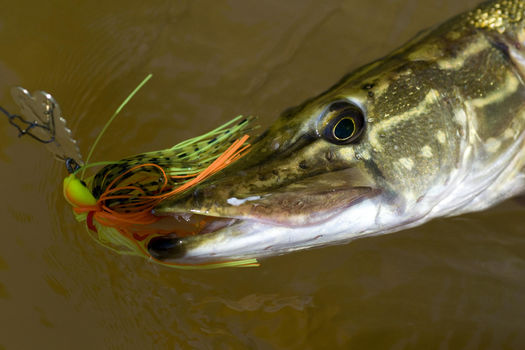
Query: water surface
pixel 456 283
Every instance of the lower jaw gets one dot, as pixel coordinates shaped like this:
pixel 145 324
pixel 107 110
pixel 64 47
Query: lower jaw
pixel 179 226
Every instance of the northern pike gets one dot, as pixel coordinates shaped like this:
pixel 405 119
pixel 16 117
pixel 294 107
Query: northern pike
pixel 434 129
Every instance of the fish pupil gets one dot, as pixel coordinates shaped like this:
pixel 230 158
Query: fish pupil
pixel 344 129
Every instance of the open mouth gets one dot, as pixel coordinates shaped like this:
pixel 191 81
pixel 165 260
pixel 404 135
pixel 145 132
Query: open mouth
pixel 273 210
pixel 184 225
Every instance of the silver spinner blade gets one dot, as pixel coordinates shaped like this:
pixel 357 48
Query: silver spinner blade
pixel 46 124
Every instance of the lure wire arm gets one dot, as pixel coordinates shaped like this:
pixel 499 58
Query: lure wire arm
pixel 25 127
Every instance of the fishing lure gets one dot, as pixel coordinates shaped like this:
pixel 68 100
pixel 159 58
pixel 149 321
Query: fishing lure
pixel 116 202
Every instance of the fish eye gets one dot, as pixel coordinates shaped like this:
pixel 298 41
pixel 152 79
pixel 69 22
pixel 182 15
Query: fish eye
pixel 342 123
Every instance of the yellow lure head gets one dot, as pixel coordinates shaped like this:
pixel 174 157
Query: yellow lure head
pixel 76 192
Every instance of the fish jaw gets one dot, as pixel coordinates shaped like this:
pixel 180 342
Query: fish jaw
pixel 255 239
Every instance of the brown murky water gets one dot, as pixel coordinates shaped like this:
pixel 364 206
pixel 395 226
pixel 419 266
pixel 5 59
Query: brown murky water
pixel 456 283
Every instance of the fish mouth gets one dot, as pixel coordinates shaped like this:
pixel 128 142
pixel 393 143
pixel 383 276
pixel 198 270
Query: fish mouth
pixel 172 247
pixel 289 211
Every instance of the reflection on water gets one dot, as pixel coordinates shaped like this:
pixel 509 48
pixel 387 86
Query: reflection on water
pixel 453 283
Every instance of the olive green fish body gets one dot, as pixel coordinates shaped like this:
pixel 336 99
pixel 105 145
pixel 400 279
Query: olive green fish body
pixel 454 94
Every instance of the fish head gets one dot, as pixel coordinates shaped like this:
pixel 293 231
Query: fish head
pixel 356 160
